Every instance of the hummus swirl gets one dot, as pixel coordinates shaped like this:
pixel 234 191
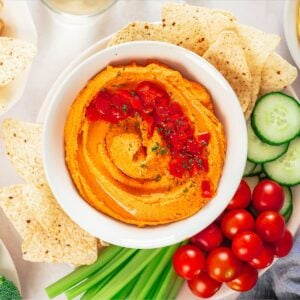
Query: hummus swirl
pixel 121 171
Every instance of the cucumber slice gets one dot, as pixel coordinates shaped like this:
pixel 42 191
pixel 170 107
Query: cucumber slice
pixel 256 171
pixel 288 201
pixel 260 152
pixel 286 169
pixel 276 118
pixel 249 167
pixel 288 215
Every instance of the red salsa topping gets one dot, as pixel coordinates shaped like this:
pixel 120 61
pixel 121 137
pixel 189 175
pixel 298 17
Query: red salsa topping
pixel 154 105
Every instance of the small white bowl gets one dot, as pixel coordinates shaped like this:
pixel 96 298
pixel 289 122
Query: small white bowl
pixel 106 228
pixel 290 29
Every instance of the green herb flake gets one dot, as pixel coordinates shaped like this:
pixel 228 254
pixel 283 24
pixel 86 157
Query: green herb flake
pixel 185 190
pixel 124 108
pixel 155 148
pixel 163 151
pixel 133 93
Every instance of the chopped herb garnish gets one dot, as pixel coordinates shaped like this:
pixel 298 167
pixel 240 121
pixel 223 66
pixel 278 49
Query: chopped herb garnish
pixel 167 132
pixel 199 161
pixel 155 148
pixel 124 108
pixel 185 190
pixel 143 165
pixel 157 177
pixel 133 93
pixel 185 165
pixel 203 143
pixel 191 161
pixel 163 151
pixel 118 74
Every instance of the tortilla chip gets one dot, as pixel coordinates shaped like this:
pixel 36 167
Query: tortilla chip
pixel 228 56
pixel 15 56
pixel 43 247
pixel 49 234
pixel 22 142
pixel 257 46
pixel 138 31
pixel 193 27
pixel 277 74
pixel 13 202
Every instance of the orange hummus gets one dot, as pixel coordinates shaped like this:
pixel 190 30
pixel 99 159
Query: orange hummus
pixel 121 171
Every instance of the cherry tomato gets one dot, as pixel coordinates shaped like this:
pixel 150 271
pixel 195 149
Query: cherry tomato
pixel 245 281
pixel 242 196
pixel 283 246
pixel 247 245
pixel 235 221
pixel 268 195
pixel 222 265
pixel 203 285
pixel 263 259
pixel 270 226
pixel 188 261
pixel 209 238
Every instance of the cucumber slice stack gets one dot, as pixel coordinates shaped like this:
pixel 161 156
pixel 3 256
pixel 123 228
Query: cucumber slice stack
pixel 274 138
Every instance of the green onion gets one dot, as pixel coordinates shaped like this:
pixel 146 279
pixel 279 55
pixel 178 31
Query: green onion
pixel 134 267
pixel 97 277
pixel 81 273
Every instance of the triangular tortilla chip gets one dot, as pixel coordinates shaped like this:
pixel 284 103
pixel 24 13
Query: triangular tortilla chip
pixel 138 31
pixel 61 239
pixel 49 234
pixel 194 27
pixel 277 74
pixel 22 143
pixel 228 56
pixel 257 46
pixel 15 56
pixel 13 202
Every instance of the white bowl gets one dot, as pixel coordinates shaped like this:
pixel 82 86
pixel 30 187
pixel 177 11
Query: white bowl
pixel 290 29
pixel 106 228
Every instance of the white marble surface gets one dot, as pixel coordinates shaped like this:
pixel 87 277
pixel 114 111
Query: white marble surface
pixel 58 44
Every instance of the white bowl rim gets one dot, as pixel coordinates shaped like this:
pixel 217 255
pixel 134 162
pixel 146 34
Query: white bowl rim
pixel 125 235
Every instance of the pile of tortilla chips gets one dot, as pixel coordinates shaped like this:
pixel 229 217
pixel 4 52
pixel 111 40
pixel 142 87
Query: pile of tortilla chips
pixel 243 54
pixel 48 234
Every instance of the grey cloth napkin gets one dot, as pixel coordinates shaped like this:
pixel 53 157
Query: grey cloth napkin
pixel 282 281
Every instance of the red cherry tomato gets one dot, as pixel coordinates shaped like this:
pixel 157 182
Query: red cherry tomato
pixel 209 238
pixel 263 259
pixel 283 246
pixel 222 265
pixel 245 281
pixel 203 285
pixel 247 245
pixel 242 196
pixel 188 261
pixel 235 221
pixel 268 195
pixel 270 226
